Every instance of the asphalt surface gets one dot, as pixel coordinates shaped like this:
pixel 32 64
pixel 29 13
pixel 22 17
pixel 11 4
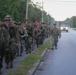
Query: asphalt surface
pixel 61 61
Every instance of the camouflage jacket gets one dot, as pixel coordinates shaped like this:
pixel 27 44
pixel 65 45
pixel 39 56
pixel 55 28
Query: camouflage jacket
pixel 22 32
pixel 55 32
pixel 13 32
pixel 4 35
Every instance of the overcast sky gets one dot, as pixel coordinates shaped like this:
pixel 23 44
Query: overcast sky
pixel 59 9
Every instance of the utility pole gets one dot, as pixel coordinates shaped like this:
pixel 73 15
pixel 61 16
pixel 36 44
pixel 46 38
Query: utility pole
pixel 42 13
pixel 27 2
pixel 48 18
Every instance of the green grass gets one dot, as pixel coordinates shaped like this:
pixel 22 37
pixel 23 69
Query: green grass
pixel 74 28
pixel 30 60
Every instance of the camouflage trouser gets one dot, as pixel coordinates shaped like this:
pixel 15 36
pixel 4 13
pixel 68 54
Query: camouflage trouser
pixel 41 40
pixel 17 50
pixel 33 44
pixel 7 57
pixel 38 39
pixel 21 47
pixel 10 54
pixel 54 42
pixel 1 56
pixel 13 50
pixel 27 45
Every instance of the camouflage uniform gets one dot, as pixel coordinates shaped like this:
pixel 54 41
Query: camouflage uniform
pixel 6 47
pixel 42 35
pixel 55 32
pixel 34 35
pixel 4 41
pixel 1 47
pixel 13 42
pixel 37 36
pixel 22 34
pixel 28 39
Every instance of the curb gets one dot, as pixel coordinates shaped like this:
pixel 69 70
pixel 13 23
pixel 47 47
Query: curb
pixel 36 65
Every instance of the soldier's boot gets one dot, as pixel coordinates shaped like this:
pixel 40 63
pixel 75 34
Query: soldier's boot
pixel 7 66
pixel 26 50
pixel 29 50
pixel 17 55
pixel 37 45
pixel 0 71
pixel 11 64
pixel 55 47
pixel 52 47
pixel 20 54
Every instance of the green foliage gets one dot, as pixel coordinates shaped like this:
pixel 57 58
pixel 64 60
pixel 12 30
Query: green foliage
pixel 17 10
pixel 74 21
pixel 71 21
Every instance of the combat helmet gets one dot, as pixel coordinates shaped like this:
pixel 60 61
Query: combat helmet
pixel 7 18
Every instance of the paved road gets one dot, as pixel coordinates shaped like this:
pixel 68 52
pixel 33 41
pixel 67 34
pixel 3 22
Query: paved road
pixel 63 60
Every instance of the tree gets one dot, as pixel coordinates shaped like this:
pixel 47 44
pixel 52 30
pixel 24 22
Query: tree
pixel 17 10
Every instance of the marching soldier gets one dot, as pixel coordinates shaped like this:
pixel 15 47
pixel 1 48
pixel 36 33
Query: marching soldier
pixel 13 42
pixel 22 35
pixel 36 35
pixel 7 20
pixel 55 32
pixel 4 43
pixel 1 47
pixel 42 35
pixel 28 39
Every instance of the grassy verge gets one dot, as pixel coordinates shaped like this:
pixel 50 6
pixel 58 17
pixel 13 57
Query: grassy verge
pixel 74 28
pixel 29 61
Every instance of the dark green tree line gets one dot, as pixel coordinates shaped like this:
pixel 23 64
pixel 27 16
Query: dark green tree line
pixel 17 10
pixel 71 21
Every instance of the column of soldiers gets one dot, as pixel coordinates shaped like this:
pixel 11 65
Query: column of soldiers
pixel 55 33
pixel 16 38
